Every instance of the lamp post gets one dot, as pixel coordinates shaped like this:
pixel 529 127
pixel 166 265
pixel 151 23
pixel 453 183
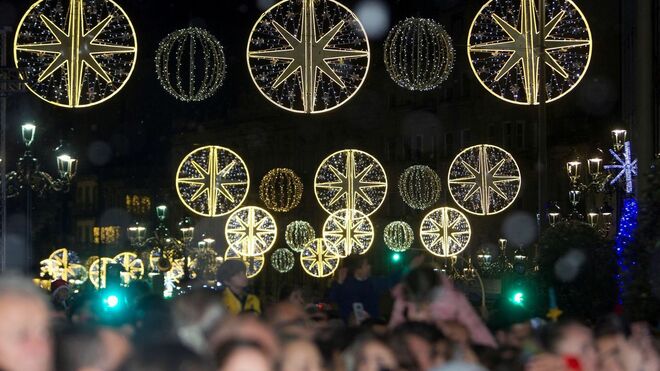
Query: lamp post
pixel 30 179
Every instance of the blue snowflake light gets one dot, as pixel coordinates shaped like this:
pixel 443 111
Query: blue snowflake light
pixel 627 167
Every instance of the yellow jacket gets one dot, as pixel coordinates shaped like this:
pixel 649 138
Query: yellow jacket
pixel 235 306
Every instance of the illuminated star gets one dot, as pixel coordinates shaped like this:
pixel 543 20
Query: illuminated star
pixel 308 54
pixel 350 231
pixel 75 49
pixel 446 232
pixel 321 260
pixel 253 234
pixel 627 167
pixel 523 43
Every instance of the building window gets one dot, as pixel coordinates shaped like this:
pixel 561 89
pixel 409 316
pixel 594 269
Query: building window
pixel 106 235
pixel 449 144
pixel 138 205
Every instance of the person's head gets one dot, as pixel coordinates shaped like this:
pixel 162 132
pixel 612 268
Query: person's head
pixel 242 355
pixel 419 345
pixel 571 339
pixel 60 290
pixel 292 294
pixel 195 315
pixel 248 328
pixel 89 348
pixel 232 273
pixel 288 319
pixel 370 353
pixel 25 334
pixel 166 357
pixel 421 283
pixel 358 266
pixel 300 355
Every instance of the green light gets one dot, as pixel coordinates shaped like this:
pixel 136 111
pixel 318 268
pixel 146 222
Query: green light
pixel 518 298
pixel 396 257
pixel 111 301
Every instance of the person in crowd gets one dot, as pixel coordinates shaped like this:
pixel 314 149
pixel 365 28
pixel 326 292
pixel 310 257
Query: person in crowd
pixel 288 319
pixel 299 354
pixel 369 353
pixel 357 291
pixel 293 295
pixel 195 315
pixel 419 346
pixel 232 274
pixel 622 348
pixel 25 335
pixel 242 355
pixel 87 348
pixel 570 346
pixel 60 293
pixel 249 328
pixel 166 356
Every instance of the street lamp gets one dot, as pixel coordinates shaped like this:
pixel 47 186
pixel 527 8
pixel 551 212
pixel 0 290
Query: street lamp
pixel 619 137
pixel 554 214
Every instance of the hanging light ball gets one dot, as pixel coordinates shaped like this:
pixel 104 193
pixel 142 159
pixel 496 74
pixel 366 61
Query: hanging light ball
pixel 420 187
pixel 419 54
pixel 282 260
pixel 398 236
pixel 298 234
pixel 281 190
pixel 190 64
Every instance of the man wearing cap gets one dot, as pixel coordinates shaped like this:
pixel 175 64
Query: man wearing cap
pixel 234 279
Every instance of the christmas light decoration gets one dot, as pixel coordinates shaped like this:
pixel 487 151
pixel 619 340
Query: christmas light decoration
pixel 420 187
pixel 398 236
pixel 253 264
pixel 281 190
pixel 318 260
pixel 212 181
pixel 348 232
pixel 133 266
pixel 627 167
pixel 75 53
pixel 251 231
pixel 445 232
pixel 419 54
pixel 350 179
pixel 308 56
pixel 624 237
pixel 282 260
pixel 97 271
pixel 504 50
pixel 298 234
pixel 204 262
pixel 484 179
pixel 190 64
pixel 63 264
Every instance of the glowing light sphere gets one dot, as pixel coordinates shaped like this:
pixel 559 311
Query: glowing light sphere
pixel 253 264
pixel 97 271
pixel 133 266
pixel 445 232
pixel 282 260
pixel 75 53
pixel 348 232
pixel 318 260
pixel 298 234
pixel 190 64
pixel 503 48
pixel 251 231
pixel 64 264
pixel 212 181
pixel 398 236
pixel 308 56
pixel 420 187
pixel 350 179
pixel 281 190
pixel 419 54
pixel 484 179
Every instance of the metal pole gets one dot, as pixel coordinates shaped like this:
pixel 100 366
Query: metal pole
pixel 542 123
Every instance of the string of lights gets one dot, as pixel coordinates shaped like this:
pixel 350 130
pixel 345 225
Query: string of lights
pixel 420 187
pixel 298 234
pixel 281 190
pixel 624 237
pixel 398 236
pixel 282 260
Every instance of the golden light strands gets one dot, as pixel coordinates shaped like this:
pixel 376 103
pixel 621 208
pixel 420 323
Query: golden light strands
pixel 133 267
pixel 398 236
pixel 350 179
pixel 308 56
pixel 298 234
pixel 75 53
pixel 253 264
pixel 63 264
pixel 281 190
pixel 212 181
pixel 419 54
pixel 282 260
pixel 445 232
pixel 420 187
pixel 98 271
pixel 484 179
pixel 251 231
pixel 347 232
pixel 190 64
pixel 504 51
pixel 318 260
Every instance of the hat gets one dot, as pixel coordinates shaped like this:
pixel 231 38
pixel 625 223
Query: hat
pixel 230 268
pixel 58 285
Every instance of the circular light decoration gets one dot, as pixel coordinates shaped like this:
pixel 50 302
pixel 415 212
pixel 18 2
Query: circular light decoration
pixel 282 260
pixel 64 264
pixel 484 179
pixel 97 271
pixel 318 260
pixel 133 266
pixel 348 232
pixel 212 181
pixel 190 64
pixel 350 179
pixel 75 53
pixel 420 187
pixel 251 231
pixel 419 54
pixel 445 232
pixel 504 53
pixel 281 190
pixel 298 234
pixel 398 236
pixel 308 56
pixel 253 264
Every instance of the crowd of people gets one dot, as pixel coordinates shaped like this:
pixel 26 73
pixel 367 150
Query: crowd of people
pixel 431 326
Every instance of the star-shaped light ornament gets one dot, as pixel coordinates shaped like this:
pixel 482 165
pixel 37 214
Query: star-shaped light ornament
pixel 212 181
pixel 251 231
pixel 484 179
pixel 76 57
pixel 626 167
pixel 445 232
pixel 504 48
pixel 308 56
pixel 318 260
pixel 348 232
pixel 350 179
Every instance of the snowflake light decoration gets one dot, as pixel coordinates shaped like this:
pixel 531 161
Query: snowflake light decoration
pixel 133 267
pixel 251 231
pixel 318 260
pixel 64 264
pixel 445 232
pixel 626 166
pixel 348 232
pixel 253 264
